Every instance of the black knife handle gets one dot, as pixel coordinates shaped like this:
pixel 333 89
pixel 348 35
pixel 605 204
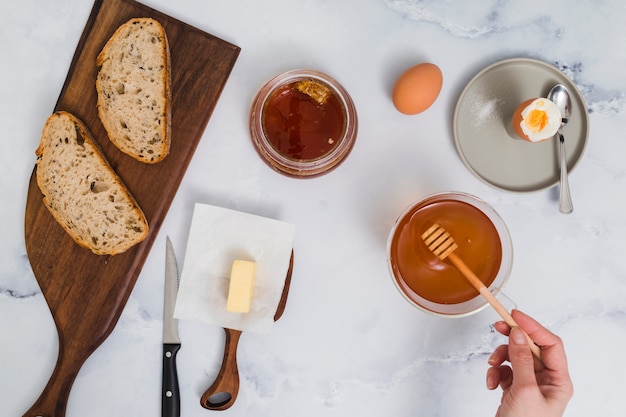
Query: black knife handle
pixel 170 405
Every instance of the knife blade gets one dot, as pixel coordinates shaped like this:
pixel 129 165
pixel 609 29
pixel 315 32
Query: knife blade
pixel 170 396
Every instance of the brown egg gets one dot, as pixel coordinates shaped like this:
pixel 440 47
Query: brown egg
pixel 417 88
pixel 536 120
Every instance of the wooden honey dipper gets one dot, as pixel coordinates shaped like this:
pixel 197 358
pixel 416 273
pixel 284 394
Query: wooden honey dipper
pixel 442 245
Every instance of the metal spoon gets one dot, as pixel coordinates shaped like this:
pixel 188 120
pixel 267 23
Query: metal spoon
pixel 560 96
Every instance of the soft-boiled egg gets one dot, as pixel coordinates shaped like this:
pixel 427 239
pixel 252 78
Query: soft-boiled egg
pixel 417 88
pixel 536 119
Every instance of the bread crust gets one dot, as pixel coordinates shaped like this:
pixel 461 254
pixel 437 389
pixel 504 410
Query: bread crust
pixel 149 140
pixel 81 190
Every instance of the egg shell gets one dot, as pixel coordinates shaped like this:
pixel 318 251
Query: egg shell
pixel 517 120
pixel 417 88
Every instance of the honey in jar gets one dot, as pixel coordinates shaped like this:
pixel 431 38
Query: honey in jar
pixel 303 123
pixel 303 120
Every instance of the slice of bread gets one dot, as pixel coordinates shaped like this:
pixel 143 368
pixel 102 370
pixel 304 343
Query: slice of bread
pixel 133 85
pixel 82 191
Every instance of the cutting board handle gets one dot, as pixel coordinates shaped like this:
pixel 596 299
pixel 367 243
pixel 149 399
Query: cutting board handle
pixel 223 393
pixel 53 400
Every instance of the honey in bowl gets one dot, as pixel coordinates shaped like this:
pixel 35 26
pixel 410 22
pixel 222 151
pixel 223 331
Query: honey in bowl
pixel 303 123
pixel 435 285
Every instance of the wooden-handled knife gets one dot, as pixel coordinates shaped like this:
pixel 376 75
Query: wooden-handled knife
pixel 171 342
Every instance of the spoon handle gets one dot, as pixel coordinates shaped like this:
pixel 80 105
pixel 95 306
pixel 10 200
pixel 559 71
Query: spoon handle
pixel 565 199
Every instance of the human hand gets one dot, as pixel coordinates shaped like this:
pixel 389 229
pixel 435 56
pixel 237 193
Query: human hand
pixel 530 387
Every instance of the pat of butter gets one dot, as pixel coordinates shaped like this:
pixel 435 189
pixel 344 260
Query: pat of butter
pixel 241 286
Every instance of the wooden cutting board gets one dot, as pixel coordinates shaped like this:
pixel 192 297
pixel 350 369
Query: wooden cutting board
pixel 86 293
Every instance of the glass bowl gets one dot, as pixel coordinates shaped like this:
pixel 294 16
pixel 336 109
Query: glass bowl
pixel 436 286
pixel 303 123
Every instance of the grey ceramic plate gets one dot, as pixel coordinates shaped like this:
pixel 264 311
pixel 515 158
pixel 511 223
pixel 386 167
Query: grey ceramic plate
pixel 482 126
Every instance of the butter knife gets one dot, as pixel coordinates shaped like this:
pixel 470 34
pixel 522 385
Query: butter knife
pixel 170 396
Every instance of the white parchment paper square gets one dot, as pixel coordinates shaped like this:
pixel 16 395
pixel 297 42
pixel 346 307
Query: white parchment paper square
pixel 217 237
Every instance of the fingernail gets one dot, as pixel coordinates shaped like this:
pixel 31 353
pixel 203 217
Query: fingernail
pixel 491 382
pixel 517 336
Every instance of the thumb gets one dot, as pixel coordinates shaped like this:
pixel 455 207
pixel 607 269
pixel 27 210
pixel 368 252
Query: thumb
pixel 521 358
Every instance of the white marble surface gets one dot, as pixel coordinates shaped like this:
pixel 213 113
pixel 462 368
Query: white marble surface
pixel 348 344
